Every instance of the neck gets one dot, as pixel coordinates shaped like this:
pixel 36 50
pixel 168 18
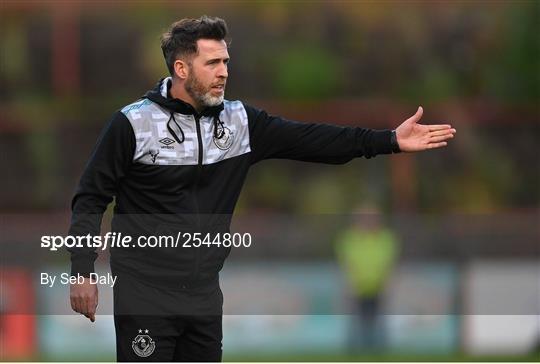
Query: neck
pixel 178 91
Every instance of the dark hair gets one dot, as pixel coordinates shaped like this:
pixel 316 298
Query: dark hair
pixel 181 38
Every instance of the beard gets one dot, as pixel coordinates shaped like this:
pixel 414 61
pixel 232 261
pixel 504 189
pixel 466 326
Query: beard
pixel 200 93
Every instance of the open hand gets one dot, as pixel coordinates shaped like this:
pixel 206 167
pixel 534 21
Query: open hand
pixel 414 137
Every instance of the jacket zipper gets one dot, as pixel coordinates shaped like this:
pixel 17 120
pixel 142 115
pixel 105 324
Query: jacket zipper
pixel 196 202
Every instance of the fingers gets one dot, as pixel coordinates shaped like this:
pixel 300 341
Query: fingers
pixel 75 304
pixel 84 303
pixel 437 139
pixel 89 307
pixel 86 307
pixel 441 138
pixel 78 304
pixel 92 308
pixel 441 135
pixel 440 132
pixel 440 127
pixel 436 145
pixel 90 316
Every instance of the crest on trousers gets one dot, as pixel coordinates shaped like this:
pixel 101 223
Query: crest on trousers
pixel 143 345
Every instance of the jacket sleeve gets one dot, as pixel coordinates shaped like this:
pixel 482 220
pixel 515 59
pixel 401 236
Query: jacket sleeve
pixel 274 137
pixel 108 164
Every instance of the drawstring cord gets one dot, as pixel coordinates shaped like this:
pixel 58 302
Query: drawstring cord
pixel 219 128
pixel 171 118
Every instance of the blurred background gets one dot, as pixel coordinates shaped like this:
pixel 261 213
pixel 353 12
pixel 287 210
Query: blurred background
pixel 433 255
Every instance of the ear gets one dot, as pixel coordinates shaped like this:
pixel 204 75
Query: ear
pixel 181 69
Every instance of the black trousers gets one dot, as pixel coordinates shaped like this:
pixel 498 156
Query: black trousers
pixel 157 324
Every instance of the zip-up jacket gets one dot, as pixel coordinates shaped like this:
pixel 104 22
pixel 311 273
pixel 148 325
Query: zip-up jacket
pixel 172 169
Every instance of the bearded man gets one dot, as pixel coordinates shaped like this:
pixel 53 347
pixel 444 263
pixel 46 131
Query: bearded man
pixel 176 161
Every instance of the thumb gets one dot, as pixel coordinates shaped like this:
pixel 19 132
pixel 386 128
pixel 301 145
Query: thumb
pixel 416 117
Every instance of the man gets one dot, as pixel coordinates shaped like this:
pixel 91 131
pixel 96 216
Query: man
pixel 367 251
pixel 175 161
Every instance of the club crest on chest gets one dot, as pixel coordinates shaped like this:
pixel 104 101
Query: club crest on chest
pixel 225 138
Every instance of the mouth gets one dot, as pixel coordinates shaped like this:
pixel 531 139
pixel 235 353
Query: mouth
pixel 219 87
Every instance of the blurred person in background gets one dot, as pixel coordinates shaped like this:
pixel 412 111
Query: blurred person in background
pixel 367 251
pixel 176 161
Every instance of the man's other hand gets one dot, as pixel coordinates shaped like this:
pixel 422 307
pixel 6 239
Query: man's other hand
pixel 84 298
pixel 414 137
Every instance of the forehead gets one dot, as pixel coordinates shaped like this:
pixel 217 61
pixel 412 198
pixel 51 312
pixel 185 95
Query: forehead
pixel 211 48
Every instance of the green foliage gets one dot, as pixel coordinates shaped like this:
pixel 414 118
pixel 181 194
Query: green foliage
pixel 306 72
pixel 511 71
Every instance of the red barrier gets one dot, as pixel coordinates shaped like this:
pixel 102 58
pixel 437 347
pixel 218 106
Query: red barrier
pixel 17 323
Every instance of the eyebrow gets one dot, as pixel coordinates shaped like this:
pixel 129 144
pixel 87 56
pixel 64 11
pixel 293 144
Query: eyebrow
pixel 213 60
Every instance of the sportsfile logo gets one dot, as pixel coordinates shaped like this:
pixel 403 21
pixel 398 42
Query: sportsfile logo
pixel 167 143
pixel 121 240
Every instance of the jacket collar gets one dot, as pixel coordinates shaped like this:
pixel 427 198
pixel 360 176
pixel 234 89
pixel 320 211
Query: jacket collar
pixel 160 94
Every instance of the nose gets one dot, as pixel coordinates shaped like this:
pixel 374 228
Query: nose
pixel 222 71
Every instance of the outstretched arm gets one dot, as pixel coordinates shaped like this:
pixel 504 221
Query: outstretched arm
pixel 275 137
pixel 414 137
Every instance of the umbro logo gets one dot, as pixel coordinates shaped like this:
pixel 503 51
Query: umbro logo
pixel 166 141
